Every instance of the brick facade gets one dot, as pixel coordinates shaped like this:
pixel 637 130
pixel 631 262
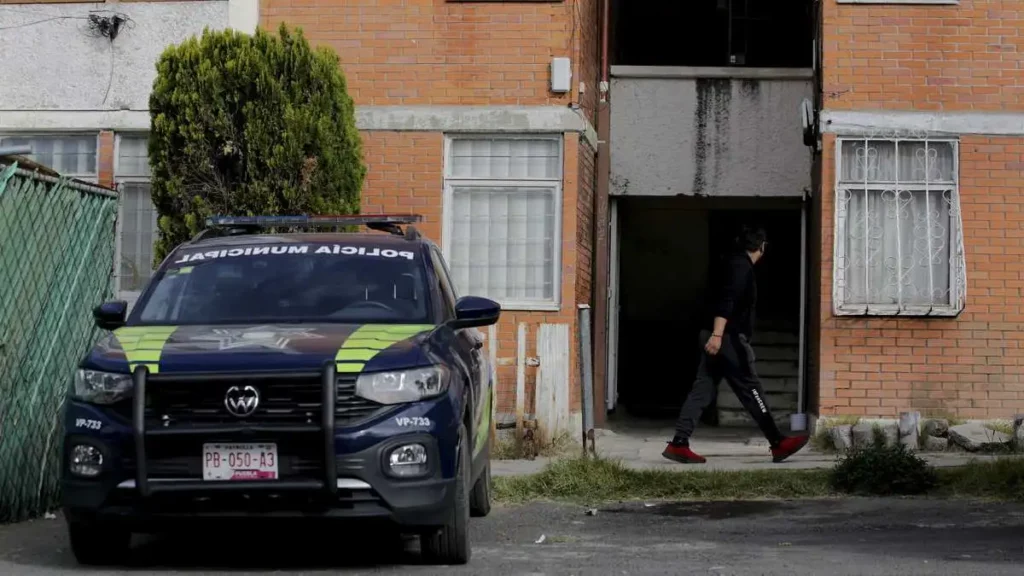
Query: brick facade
pixel 931 58
pixel 444 54
pixel 939 57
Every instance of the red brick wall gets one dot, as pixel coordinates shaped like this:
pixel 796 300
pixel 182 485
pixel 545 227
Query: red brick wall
pixel 955 57
pixel 585 223
pixel 437 52
pixel 105 159
pixel 434 52
pixel 405 174
pixel 971 366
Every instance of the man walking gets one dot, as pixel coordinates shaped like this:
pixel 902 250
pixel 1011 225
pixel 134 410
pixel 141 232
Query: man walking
pixel 727 354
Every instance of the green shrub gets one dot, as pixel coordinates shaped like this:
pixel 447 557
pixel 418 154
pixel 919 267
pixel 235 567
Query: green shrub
pixel 245 125
pixel 882 470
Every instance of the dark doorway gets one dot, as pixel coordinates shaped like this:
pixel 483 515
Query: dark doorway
pixel 669 248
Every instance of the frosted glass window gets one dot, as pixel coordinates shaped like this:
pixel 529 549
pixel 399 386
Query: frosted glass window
pixel 503 215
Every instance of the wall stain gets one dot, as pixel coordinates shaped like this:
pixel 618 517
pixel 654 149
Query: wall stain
pixel 723 105
pixel 700 128
pixel 714 102
pixel 751 89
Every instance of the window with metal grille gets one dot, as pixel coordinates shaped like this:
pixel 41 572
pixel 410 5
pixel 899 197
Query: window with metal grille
pixel 503 198
pixel 898 235
pixel 71 155
pixel 137 217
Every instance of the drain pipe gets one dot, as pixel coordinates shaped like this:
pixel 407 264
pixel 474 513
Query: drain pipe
pixel 601 232
pixel 798 422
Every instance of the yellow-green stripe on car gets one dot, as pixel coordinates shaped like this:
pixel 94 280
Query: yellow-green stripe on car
pixel 370 340
pixel 484 427
pixel 143 345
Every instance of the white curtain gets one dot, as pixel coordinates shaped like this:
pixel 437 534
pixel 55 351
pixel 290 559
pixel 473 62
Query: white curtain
pixel 898 223
pixel 133 156
pixel 138 215
pixel 138 232
pixel 504 218
pixel 68 155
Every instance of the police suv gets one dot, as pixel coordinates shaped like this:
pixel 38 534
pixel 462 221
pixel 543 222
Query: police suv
pixel 265 374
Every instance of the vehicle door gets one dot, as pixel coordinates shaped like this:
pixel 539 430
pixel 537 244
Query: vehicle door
pixel 469 344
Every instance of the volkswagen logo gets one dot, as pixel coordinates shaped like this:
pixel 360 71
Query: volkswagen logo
pixel 242 401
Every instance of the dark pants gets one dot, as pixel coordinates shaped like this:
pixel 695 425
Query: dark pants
pixel 735 363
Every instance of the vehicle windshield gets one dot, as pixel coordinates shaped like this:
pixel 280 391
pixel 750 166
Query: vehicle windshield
pixel 288 282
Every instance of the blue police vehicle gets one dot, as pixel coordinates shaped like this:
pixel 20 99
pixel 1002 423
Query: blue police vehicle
pixel 269 370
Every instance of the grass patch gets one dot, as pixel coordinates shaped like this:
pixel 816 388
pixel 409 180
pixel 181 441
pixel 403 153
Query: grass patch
pixel 883 471
pixel 510 447
pixel 1002 479
pixel 595 481
pixel 599 480
pixel 822 439
pixel 1000 426
pixel 942 415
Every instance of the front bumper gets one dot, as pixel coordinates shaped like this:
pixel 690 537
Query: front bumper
pixel 350 480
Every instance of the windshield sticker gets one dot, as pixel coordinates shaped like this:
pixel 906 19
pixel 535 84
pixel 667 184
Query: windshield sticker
pixel 336 249
pixel 269 337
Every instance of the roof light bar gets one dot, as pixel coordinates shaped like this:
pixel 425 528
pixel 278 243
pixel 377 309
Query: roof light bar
pixel 310 221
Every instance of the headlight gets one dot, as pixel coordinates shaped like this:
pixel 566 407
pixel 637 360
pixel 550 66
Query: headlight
pixel 403 386
pixel 102 387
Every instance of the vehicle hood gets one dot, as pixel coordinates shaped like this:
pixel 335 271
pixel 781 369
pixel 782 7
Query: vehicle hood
pixel 250 348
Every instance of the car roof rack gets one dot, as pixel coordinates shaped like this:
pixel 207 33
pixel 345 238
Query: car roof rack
pixel 219 226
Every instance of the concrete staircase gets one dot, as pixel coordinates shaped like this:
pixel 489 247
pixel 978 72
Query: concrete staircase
pixel 777 354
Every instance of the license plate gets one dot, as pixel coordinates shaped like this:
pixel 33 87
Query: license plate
pixel 239 462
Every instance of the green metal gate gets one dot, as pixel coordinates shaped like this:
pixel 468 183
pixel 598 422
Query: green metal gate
pixel 57 240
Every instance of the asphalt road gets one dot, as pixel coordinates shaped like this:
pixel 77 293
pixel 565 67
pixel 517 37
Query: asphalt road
pixel 883 537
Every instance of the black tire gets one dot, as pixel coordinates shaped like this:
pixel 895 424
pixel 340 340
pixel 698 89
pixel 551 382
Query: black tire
pixel 450 544
pixel 95 545
pixel 480 498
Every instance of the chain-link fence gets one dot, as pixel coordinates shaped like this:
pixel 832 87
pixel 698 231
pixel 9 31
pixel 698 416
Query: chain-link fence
pixel 57 242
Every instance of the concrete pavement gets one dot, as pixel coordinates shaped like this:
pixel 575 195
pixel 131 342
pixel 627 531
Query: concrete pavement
pixel 725 449
pixel 834 537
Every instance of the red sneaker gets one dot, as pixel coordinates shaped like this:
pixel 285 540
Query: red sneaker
pixel 789 446
pixel 682 454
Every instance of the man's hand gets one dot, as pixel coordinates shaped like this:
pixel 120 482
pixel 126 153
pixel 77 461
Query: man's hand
pixel 714 344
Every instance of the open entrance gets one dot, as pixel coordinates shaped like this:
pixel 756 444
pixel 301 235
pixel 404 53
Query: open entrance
pixel 667 250
pixel 708 98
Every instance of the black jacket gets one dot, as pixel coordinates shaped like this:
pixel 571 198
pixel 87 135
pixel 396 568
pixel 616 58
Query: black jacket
pixel 736 295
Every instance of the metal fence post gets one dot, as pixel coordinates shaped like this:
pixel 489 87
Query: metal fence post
pixel 587 372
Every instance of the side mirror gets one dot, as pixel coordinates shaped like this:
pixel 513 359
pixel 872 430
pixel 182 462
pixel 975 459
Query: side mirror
pixel 110 315
pixel 473 311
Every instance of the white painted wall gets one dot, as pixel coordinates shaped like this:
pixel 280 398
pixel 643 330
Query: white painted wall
pixel 715 136
pixel 52 62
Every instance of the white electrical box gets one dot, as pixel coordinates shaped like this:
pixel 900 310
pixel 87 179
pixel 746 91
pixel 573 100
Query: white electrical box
pixel 561 75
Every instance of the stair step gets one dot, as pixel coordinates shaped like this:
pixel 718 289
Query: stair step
pixel 775 338
pixel 740 418
pixel 776 368
pixel 789 353
pixel 771 384
pixel 776 401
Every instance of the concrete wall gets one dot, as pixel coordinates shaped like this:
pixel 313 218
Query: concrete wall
pixel 694 133
pixel 52 61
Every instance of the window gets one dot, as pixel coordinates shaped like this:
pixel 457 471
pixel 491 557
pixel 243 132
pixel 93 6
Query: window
pixel 447 290
pixel 503 203
pixel 137 216
pixel 898 240
pixel 72 155
pixel 268 283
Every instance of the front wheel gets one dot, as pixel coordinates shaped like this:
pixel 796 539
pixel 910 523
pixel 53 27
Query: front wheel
pixel 95 545
pixel 450 544
pixel 480 499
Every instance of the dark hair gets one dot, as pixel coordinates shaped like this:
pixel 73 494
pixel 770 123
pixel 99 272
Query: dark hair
pixel 751 238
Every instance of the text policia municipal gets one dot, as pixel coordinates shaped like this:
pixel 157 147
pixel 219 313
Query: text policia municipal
pixel 300 249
